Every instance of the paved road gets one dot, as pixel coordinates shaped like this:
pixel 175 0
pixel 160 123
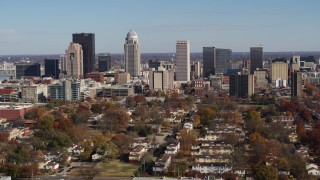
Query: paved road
pixel 77 178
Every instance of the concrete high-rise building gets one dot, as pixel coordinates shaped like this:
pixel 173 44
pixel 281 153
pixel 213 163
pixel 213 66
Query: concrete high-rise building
pixel 74 59
pixel 66 90
pixel 104 62
pixel 241 85
pixel 132 54
pixel 196 69
pixel 161 79
pixel 34 93
pixel 123 78
pixel 295 63
pixel 61 90
pixel 183 60
pixel 279 71
pixel 296 84
pixel 7 71
pixel 63 65
pixel 216 61
pixel 27 69
pixel 51 68
pixel 87 41
pixel 256 58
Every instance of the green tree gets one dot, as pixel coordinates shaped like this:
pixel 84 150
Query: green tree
pixel 46 123
pixel 266 173
pixel 111 151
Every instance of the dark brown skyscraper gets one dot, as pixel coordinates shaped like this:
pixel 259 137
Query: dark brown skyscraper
pixel 256 58
pixel 87 41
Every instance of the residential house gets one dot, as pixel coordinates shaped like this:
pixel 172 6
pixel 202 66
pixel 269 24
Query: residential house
pixel 136 153
pixel 53 166
pixel 141 141
pixel 216 168
pixel 173 148
pixel 162 163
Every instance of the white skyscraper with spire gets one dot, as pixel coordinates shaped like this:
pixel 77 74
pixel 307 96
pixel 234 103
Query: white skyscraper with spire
pixel 132 54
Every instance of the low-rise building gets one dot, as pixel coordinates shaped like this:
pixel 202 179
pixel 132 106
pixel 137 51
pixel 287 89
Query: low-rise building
pixel 14 111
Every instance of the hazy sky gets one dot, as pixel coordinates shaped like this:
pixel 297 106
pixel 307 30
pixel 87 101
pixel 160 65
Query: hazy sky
pixel 46 26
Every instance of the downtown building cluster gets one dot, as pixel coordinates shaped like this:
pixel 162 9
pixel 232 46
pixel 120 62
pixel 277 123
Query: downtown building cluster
pixel 79 73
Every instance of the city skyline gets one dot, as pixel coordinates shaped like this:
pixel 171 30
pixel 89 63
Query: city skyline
pixel 276 25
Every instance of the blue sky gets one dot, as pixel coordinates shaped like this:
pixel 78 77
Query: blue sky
pixel 46 26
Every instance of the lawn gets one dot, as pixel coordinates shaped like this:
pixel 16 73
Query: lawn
pixel 115 168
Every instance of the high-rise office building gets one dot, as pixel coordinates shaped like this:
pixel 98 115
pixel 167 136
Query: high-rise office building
pixel 87 41
pixel 196 69
pixel 241 85
pixel 132 54
pixel 61 90
pixel 295 63
pixel 256 58
pixel 27 69
pixel 296 84
pixel 222 60
pixel 51 68
pixel 279 70
pixel 216 61
pixel 74 59
pixel 208 55
pixel 161 79
pixel 183 60
pixel 104 62
pixel 63 65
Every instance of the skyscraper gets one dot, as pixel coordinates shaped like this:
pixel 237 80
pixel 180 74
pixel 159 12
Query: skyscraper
pixel 208 55
pixel 256 58
pixel 279 70
pixel 161 79
pixel 132 54
pixel 296 84
pixel 216 60
pixel 87 41
pixel 51 68
pixel 104 62
pixel 183 60
pixel 223 60
pixel 74 61
pixel 27 69
pixel 241 85
pixel 63 64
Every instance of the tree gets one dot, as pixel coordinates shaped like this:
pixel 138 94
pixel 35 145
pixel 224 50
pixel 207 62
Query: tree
pixel 122 142
pixel 187 138
pixel 58 141
pixel 34 113
pixel 207 114
pixel 196 121
pixel 297 166
pixel 111 151
pixel 115 120
pixel 99 140
pixel 253 121
pixel 266 173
